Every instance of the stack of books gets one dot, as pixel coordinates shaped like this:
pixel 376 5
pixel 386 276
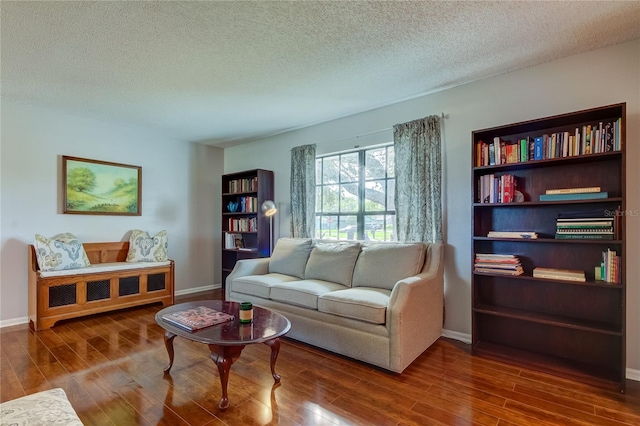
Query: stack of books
pixel 567 194
pixel 609 269
pixel 529 235
pixel 585 226
pixel 502 264
pixel 559 274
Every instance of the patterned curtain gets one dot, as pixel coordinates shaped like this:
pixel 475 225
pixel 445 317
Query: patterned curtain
pixel 303 191
pixel 418 172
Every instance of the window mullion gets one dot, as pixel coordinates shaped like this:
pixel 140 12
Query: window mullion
pixel 361 193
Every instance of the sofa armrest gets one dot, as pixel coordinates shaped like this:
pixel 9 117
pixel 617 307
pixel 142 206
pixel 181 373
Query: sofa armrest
pixel 415 311
pixel 245 267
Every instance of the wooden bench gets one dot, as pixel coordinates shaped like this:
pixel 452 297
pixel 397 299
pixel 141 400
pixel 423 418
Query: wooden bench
pixel 76 293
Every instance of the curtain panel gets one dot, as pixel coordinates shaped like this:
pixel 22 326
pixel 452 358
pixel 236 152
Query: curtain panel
pixel 418 170
pixel 303 191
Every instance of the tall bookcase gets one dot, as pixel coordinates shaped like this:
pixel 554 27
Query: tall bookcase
pixel 570 329
pixel 248 190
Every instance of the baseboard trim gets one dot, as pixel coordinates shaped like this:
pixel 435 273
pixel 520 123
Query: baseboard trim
pixel 456 335
pixel 197 289
pixel 632 374
pixel 14 321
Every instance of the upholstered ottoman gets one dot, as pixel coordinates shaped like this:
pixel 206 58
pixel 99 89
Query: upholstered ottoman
pixel 44 408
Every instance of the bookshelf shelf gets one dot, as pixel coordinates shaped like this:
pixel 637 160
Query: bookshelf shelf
pixel 555 320
pixel 563 367
pixel 252 187
pixel 548 203
pixel 578 159
pixel 568 328
pixel 565 282
pixel 551 241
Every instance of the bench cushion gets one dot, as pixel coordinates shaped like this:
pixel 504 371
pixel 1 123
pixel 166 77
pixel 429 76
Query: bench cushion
pixel 50 407
pixel 303 293
pixel 103 267
pixel 361 303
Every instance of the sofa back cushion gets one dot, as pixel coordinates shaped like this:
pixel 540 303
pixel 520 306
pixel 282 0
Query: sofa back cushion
pixel 290 256
pixel 332 262
pixel 381 265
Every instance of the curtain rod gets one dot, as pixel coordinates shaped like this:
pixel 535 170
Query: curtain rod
pixel 365 134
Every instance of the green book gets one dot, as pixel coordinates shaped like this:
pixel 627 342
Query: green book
pixel 575 196
pixel 584 236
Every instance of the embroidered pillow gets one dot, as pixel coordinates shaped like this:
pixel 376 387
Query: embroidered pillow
pixel 143 248
pixel 62 251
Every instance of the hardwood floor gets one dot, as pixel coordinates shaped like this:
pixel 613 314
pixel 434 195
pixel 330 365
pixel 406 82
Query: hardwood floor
pixel 110 366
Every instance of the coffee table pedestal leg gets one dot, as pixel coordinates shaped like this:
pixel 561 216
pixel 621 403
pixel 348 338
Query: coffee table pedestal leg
pixel 275 349
pixel 224 357
pixel 168 343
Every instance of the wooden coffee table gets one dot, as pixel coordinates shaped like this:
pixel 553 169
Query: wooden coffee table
pixel 226 341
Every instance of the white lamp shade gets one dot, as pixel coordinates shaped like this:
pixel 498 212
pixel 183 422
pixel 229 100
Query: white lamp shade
pixel 269 208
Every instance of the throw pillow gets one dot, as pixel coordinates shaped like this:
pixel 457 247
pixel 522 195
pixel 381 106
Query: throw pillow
pixel 143 248
pixel 290 256
pixel 332 262
pixel 62 251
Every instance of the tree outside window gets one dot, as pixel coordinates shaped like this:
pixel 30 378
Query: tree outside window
pixel 355 195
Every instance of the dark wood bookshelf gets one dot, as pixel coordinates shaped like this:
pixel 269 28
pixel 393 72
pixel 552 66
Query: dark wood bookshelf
pixel 257 240
pixel 567 328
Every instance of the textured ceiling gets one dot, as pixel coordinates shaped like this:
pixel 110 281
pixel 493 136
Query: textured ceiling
pixel 228 72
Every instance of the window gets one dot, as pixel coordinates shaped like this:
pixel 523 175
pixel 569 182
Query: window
pixel 355 195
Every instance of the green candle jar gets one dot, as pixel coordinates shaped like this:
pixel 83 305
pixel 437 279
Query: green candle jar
pixel 246 312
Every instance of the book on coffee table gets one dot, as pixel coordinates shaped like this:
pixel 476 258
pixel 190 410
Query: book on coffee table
pixel 197 318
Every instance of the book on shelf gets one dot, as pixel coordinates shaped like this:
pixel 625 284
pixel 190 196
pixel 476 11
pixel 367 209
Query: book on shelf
pixel 583 190
pixel 197 318
pixel 574 196
pixel 497 189
pixel 591 236
pixel 495 256
pixel 559 274
pixel 233 241
pixel 609 269
pixel 513 234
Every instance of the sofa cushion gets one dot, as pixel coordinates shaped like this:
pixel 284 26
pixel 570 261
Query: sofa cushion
pixel 381 265
pixel 260 285
pixel 362 303
pixel 333 262
pixel 303 293
pixel 290 256
pixel 60 252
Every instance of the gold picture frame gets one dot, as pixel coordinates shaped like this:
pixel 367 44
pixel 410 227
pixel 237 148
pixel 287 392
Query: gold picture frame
pixel 101 188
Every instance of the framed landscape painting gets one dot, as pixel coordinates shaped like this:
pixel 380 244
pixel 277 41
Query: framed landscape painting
pixel 100 187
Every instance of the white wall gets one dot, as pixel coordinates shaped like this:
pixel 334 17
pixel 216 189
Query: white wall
pixel 588 80
pixel 180 193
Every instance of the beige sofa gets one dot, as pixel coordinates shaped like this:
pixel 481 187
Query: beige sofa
pixel 378 302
